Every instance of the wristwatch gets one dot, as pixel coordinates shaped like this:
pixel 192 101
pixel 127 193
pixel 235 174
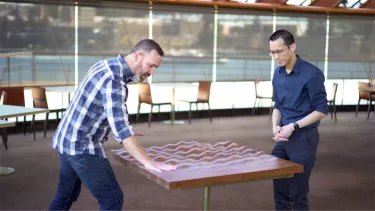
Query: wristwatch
pixel 296 126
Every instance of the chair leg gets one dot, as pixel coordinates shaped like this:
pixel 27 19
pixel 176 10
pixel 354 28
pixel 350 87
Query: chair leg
pixel 24 125
pixel 171 115
pixel 5 137
pixel 150 117
pixel 369 108
pixel 159 112
pixel 255 103
pixel 33 125
pixel 330 107
pixel 209 112
pixel 139 108
pixel 14 128
pixel 190 113
pixel 356 109
pixel 334 110
pixel 46 124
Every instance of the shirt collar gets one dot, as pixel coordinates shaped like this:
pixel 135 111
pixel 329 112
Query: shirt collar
pixel 128 74
pixel 296 68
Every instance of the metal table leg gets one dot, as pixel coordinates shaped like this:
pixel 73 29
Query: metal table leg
pixel 5 170
pixel 206 198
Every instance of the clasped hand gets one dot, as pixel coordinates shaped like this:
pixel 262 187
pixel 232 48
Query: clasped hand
pixel 282 133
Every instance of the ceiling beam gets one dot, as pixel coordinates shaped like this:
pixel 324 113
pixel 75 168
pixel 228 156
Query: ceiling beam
pixel 325 3
pixel 369 4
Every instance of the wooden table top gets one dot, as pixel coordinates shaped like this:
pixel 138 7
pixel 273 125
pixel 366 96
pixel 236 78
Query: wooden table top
pixel 4 124
pixel 202 164
pixel 9 111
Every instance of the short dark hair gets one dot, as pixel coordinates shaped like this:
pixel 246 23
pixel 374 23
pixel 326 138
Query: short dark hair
pixel 283 34
pixel 147 45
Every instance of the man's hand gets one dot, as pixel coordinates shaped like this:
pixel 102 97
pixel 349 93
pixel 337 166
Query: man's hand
pixel 134 148
pixel 138 134
pixel 276 129
pixel 277 136
pixel 157 166
pixel 286 131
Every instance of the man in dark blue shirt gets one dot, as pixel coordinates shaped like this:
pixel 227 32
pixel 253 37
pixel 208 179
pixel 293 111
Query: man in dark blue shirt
pixel 300 104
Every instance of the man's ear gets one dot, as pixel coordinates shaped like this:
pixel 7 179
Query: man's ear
pixel 137 56
pixel 293 47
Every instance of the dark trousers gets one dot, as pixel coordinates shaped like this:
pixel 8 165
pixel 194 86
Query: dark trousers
pixel 292 193
pixel 97 175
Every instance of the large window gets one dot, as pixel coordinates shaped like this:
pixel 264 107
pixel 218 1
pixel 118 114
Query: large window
pixel 108 30
pixel 34 40
pixel 226 46
pixel 309 32
pixel 186 35
pixel 351 51
pixel 242 45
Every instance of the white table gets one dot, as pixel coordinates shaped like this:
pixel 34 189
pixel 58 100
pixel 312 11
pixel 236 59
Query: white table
pixel 62 89
pixel 174 86
pixel 9 111
pixel 3 126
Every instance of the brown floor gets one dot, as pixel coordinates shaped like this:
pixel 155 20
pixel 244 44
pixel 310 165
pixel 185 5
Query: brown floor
pixel 343 178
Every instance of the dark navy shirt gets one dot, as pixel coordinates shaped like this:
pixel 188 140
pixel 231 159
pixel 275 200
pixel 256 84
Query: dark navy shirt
pixel 300 92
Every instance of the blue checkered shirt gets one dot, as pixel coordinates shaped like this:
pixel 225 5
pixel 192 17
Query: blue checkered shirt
pixel 97 108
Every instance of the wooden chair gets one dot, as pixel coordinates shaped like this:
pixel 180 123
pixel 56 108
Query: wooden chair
pixel 144 96
pixel 3 97
pixel 4 135
pixel 331 101
pixel 203 96
pixel 365 96
pixel 259 98
pixel 40 101
pixel 15 96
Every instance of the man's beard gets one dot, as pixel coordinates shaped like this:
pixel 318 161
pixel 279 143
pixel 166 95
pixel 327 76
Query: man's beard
pixel 137 76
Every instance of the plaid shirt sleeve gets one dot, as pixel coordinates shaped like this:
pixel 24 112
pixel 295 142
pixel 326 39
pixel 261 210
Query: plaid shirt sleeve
pixel 113 98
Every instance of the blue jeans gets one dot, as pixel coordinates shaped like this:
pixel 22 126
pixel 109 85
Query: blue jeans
pixel 301 148
pixel 97 175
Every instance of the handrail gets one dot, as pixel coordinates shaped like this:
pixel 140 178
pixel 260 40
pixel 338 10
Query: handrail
pixel 114 54
pixel 257 57
pixel 263 6
pixel 19 53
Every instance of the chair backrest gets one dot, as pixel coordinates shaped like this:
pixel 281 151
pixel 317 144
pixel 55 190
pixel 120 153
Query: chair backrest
pixel 204 91
pixel 15 96
pixel 332 95
pixel 362 94
pixel 144 93
pixel 39 97
pixel 3 97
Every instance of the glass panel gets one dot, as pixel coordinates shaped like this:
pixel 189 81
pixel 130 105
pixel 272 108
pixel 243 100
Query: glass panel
pixel 351 51
pixel 242 45
pixel 37 35
pixel 105 32
pixel 309 31
pixel 186 35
